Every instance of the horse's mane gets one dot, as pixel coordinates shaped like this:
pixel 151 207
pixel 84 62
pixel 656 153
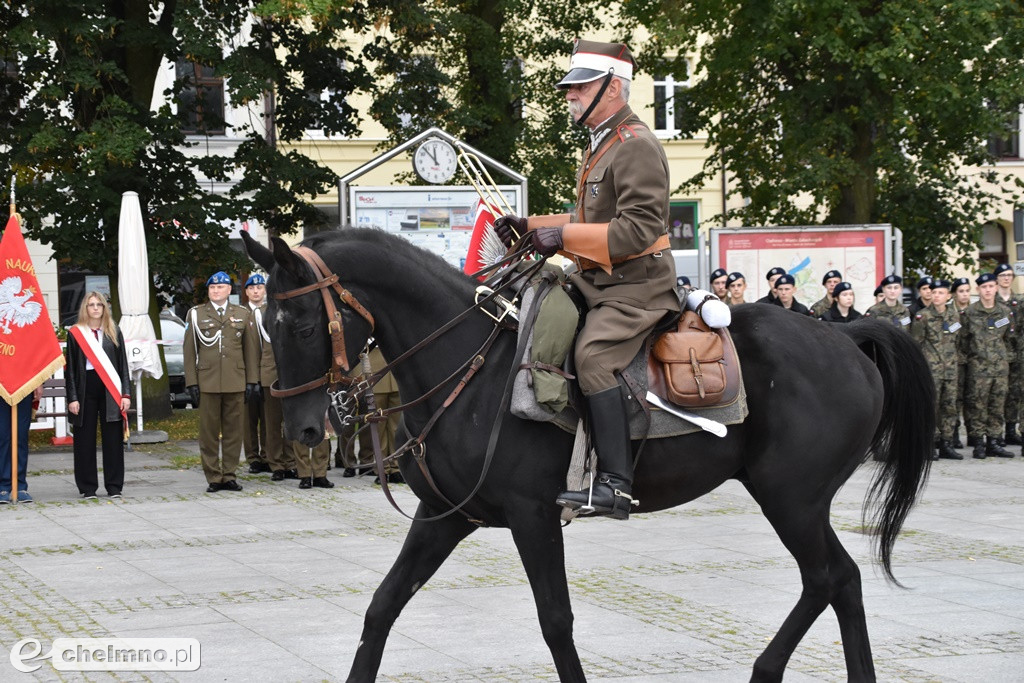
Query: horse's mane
pixel 384 253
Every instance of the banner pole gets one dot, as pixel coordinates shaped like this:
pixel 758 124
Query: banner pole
pixel 14 452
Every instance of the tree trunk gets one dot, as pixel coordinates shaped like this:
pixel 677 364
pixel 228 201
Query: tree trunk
pixel 857 196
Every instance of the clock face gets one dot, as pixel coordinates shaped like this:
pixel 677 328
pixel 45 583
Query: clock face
pixel 435 161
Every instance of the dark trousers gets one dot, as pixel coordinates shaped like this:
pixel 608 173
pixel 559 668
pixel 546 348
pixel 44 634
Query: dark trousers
pixel 94 408
pixel 24 421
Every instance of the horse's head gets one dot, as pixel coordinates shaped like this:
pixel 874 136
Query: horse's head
pixel 298 329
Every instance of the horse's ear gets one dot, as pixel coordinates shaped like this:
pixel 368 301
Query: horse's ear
pixel 257 252
pixel 288 259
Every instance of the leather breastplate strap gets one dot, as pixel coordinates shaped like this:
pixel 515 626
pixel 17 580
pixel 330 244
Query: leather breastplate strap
pixel 661 244
pixel 335 324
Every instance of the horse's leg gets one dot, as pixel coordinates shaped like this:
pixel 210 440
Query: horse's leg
pixel 804 532
pixel 537 533
pixel 848 603
pixel 426 547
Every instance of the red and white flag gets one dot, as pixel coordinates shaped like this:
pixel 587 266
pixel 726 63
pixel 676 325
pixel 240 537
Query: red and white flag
pixel 485 247
pixel 29 350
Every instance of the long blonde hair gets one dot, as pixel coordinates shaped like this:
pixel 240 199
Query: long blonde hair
pixel 106 322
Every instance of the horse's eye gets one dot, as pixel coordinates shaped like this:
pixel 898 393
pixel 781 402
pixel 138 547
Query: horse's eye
pixel 306 332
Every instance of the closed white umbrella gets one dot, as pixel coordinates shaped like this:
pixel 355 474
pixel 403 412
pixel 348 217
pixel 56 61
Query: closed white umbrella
pixel 133 293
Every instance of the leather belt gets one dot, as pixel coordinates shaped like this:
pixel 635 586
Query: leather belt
pixel 661 244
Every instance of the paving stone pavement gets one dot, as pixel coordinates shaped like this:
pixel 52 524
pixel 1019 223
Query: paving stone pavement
pixel 273 582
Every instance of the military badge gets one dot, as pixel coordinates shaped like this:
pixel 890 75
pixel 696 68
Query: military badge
pixel 593 190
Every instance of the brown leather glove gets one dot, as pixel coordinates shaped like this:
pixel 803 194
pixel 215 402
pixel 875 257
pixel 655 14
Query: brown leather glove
pixel 546 241
pixel 510 228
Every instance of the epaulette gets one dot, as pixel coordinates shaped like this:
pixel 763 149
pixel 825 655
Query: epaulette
pixel 625 132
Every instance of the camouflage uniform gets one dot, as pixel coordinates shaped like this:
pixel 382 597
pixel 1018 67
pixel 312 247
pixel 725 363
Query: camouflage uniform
pixel 1011 409
pixel 819 307
pixel 985 341
pixel 961 373
pixel 936 333
pixel 898 315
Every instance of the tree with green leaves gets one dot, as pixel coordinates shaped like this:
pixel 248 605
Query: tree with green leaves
pixel 854 111
pixel 77 128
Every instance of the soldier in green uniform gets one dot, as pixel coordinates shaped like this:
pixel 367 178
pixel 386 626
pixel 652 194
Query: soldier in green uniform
pixel 829 282
pixel 256 437
pixel 222 366
pixel 385 395
pixel 891 309
pixel 772 277
pixel 737 285
pixel 935 329
pixel 719 284
pixel 312 463
pixel 924 295
pixel 1006 296
pixel 618 237
pixel 961 292
pixel 985 338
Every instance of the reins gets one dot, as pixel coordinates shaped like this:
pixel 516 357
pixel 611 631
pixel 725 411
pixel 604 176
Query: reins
pixel 368 379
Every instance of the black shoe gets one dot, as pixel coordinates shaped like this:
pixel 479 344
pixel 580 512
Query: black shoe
pixel 356 471
pixel 957 443
pixel 115 494
pixel 291 474
pixel 612 493
pixel 323 483
pixel 306 483
pixel 974 441
pixel 278 475
pixel 213 488
pixel 994 447
pixel 349 472
pixel 231 486
pixel 89 496
pixel 1011 434
pixel 258 467
pixel 946 451
pixel 979 452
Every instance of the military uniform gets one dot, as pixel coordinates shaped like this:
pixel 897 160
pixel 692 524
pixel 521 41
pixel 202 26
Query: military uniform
pixel 898 315
pixel 311 463
pixel 961 377
pixel 277 456
pixel 819 307
pixel 221 357
pixel 621 211
pixel 985 341
pixel 936 333
pixel 255 437
pixel 1011 408
pixel 385 395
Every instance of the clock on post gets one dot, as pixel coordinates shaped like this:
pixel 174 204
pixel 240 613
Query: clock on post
pixel 435 161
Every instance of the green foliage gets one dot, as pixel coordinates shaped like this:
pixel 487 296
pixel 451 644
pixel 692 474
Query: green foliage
pixel 852 111
pixel 77 128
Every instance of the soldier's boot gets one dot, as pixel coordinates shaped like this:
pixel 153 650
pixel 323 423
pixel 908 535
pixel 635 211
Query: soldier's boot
pixel 994 448
pixel 979 447
pixel 1012 437
pixel 946 451
pixel 975 441
pixel 609 429
pixel 957 443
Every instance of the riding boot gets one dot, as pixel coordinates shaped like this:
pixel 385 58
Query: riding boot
pixel 946 451
pixel 993 447
pixel 1011 434
pixel 609 429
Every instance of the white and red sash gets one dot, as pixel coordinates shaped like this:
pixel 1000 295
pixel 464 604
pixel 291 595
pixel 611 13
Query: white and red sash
pixel 93 350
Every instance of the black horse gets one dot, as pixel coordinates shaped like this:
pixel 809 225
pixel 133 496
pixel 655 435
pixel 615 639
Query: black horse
pixel 818 405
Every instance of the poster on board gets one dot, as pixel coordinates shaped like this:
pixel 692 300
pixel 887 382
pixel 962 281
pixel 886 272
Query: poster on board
pixel 860 252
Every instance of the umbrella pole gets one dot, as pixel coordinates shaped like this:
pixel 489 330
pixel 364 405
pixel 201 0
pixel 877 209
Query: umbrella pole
pixel 138 402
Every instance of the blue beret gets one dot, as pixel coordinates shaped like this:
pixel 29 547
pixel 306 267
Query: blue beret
pixel 219 278
pixel 926 281
pixel 940 284
pixel 891 280
pixel 256 279
pixel 960 282
pixel 1003 267
pixel 840 288
pixel 775 271
pixel 717 273
pixel 682 281
pixel 733 277
pixel 878 290
pixel 831 274
pixel 985 277
pixel 785 280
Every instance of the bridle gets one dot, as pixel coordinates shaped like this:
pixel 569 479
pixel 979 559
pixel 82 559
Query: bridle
pixel 335 324
pixel 337 379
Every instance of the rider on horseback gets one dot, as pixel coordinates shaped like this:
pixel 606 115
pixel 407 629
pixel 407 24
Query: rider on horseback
pixel 618 238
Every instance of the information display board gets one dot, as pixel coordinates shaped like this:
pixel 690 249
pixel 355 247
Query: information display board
pixel 862 253
pixel 438 219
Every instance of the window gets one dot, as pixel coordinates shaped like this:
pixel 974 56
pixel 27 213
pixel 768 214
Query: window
pixel 668 112
pixel 201 99
pixel 993 246
pixel 682 225
pixel 1007 146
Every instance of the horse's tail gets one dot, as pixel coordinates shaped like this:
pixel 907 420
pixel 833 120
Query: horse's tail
pixel 903 441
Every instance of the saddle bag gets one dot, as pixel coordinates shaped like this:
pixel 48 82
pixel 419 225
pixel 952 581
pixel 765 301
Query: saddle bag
pixel 688 365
